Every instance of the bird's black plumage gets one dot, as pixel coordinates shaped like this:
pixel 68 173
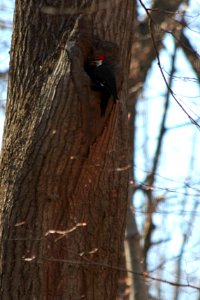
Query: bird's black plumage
pixel 103 80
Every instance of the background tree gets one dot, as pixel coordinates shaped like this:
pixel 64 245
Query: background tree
pixel 64 175
pixel 178 21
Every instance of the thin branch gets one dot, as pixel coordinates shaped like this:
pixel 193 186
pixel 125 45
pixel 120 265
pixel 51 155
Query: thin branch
pixel 101 266
pixel 192 55
pixel 151 175
pixel 152 203
pixel 151 26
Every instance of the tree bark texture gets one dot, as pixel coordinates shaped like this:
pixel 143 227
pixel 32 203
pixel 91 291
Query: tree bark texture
pixel 64 168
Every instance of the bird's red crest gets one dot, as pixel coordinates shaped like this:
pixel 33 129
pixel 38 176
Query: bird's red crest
pixel 101 57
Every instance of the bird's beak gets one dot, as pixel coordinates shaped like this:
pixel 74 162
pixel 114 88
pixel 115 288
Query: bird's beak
pixel 94 62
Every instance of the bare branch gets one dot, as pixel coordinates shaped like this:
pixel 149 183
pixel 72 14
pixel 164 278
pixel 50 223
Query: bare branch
pixel 151 26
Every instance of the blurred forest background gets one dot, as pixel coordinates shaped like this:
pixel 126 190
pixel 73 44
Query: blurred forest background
pixel 164 113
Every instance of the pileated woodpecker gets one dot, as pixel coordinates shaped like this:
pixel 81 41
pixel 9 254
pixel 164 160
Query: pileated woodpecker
pixel 103 80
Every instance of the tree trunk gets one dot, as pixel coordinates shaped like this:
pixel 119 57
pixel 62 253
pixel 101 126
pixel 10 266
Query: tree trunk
pixel 64 168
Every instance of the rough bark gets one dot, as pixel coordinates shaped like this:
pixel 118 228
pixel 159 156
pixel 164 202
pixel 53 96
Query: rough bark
pixel 64 175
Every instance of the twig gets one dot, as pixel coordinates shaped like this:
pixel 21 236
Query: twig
pixel 151 26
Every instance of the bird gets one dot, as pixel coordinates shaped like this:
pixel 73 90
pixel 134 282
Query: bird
pixel 103 80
